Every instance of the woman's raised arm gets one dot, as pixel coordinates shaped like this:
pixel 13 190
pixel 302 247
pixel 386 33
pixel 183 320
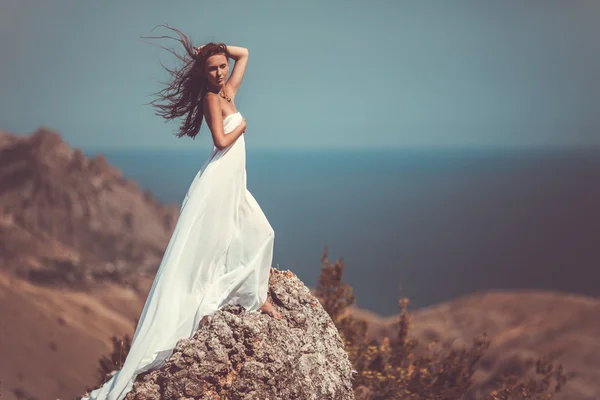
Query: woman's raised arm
pixel 240 55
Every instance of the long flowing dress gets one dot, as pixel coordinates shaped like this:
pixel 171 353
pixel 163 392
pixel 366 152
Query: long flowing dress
pixel 220 253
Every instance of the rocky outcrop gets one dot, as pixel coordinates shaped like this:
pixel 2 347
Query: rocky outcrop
pixel 66 216
pixel 248 355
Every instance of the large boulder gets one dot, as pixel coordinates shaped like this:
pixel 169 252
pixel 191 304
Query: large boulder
pixel 240 355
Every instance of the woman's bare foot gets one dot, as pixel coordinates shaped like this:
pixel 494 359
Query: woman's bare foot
pixel 269 309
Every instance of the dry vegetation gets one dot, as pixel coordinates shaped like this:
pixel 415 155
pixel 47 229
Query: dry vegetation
pixel 112 362
pixel 400 367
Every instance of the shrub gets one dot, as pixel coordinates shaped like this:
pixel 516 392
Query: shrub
pixel 113 362
pixel 398 368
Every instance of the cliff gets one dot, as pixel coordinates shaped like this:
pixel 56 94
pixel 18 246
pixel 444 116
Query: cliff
pixel 66 218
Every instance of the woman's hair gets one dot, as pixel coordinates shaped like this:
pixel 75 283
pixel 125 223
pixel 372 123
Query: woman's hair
pixel 187 86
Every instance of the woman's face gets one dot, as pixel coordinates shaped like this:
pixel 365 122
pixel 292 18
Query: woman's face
pixel 217 68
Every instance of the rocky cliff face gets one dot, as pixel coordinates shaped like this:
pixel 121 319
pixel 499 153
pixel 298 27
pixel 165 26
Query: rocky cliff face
pixel 66 216
pixel 248 355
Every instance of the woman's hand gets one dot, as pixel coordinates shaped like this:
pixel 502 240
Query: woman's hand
pixel 197 49
pixel 243 125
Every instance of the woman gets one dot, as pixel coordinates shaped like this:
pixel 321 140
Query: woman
pixel 222 246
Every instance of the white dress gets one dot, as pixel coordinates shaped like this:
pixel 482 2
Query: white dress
pixel 220 253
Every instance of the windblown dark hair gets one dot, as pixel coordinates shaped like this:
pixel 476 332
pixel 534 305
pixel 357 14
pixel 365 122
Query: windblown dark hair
pixel 187 85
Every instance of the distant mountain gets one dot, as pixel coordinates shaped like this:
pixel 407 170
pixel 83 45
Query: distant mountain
pixel 66 218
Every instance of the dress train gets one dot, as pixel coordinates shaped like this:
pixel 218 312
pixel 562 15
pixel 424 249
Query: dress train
pixel 220 253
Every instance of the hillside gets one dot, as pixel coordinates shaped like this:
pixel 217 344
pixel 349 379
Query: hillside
pixel 68 219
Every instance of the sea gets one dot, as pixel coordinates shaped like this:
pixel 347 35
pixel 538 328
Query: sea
pixel 431 225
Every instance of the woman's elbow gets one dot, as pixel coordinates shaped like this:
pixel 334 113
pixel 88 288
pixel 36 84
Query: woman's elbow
pixel 221 145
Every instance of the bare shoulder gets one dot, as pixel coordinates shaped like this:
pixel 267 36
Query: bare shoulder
pixel 211 104
pixel 210 97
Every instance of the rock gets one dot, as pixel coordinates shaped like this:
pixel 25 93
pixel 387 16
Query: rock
pixel 236 354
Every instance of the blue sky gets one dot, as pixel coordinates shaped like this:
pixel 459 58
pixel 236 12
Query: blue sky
pixel 329 74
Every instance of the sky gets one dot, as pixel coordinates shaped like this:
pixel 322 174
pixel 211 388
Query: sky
pixel 321 74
